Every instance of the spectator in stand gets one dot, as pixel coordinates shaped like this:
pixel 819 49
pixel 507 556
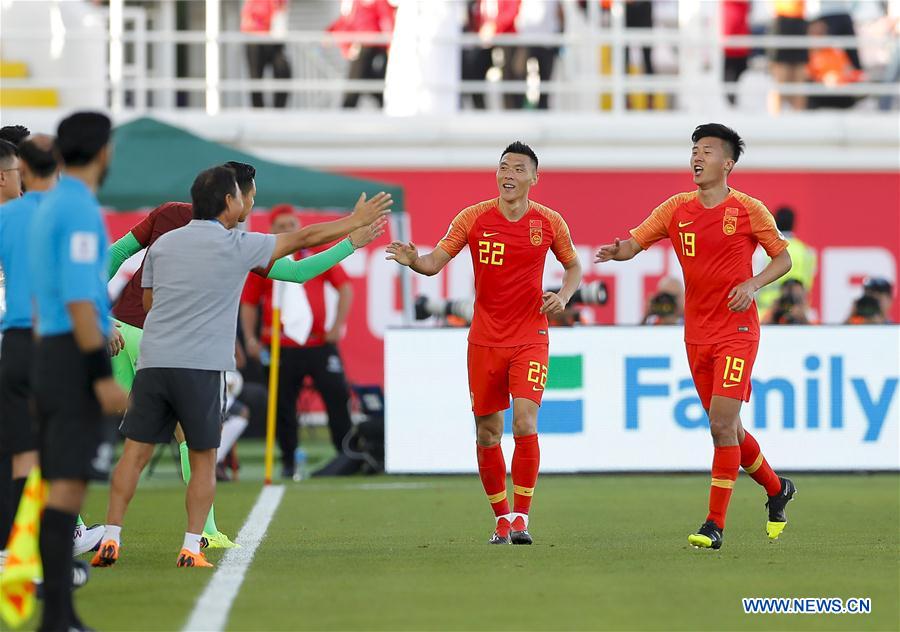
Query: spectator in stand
pixel 735 21
pixel 839 21
pixel 789 64
pixel 535 17
pixel 791 307
pixel 639 15
pixel 268 19
pixel 866 311
pixel 663 310
pixel 308 343
pixel 487 18
pixel 803 258
pixel 831 67
pixel 367 61
pixel 882 291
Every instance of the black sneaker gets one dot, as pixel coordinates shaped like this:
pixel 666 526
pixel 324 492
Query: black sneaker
pixel 499 539
pixel 708 536
pixel 776 505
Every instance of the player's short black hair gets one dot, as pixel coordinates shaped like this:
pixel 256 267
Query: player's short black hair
pixel 81 136
pixel 518 147
pixel 14 133
pixel 784 219
pixel 243 173
pixel 209 190
pixel 717 130
pixel 40 160
pixel 7 152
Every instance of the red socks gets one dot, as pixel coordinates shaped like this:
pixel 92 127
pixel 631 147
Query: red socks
pixel 525 464
pixel 492 469
pixel 755 464
pixel 726 462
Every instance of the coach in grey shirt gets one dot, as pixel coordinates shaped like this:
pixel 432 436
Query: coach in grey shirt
pixel 192 284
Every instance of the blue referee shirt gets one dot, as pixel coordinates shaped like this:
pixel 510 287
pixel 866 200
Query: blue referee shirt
pixel 67 257
pixel 15 222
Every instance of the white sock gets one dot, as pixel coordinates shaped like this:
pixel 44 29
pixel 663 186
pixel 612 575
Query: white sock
pixel 112 532
pixel 191 542
pixel 232 429
pixel 513 516
pixel 507 516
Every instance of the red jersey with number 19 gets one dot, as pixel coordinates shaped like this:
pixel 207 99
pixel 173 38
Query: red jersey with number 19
pixel 508 260
pixel 715 248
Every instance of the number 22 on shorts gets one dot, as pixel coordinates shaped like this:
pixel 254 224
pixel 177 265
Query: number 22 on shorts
pixel 734 371
pixel 537 373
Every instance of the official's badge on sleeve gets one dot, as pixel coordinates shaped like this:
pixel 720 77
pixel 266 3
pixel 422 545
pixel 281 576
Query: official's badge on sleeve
pixel 83 247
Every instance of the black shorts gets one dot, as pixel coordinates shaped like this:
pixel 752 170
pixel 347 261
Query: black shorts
pixel 18 428
pixel 790 26
pixel 71 435
pixel 160 398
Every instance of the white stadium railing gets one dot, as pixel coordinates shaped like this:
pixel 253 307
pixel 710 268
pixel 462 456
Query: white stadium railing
pixel 141 70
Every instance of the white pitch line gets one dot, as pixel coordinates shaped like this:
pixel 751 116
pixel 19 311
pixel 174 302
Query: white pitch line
pixel 210 614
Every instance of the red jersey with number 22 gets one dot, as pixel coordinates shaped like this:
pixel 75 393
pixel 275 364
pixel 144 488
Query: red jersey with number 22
pixel 508 260
pixel 715 248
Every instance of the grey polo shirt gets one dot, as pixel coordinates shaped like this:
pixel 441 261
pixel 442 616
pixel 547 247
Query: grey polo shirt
pixel 197 273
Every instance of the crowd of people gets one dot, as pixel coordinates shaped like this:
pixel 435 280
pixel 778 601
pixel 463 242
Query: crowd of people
pixel 161 363
pixel 534 63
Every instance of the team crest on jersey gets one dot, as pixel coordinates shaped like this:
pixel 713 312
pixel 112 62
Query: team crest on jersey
pixel 729 222
pixel 536 231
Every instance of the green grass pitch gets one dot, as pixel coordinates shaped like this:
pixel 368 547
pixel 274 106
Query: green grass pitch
pixel 410 553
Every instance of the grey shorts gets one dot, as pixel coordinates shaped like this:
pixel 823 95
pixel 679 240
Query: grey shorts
pixel 160 398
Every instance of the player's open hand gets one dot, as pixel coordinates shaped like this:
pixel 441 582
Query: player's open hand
pixel 607 252
pixel 742 296
pixel 404 254
pixel 553 304
pixel 367 234
pixel 113 400
pixel 367 211
pixel 116 342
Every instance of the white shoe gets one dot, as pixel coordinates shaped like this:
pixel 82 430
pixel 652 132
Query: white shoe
pixel 87 538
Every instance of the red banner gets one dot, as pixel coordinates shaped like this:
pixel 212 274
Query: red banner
pixel 852 220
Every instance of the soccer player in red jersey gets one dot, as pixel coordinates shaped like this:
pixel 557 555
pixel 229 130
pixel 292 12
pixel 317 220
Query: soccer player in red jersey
pixel 714 231
pixel 509 237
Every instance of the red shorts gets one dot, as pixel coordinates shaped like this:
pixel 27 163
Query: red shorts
pixel 722 368
pixel 495 373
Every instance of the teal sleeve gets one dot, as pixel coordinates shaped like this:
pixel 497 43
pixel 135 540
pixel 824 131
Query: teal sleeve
pixel 286 269
pixel 120 251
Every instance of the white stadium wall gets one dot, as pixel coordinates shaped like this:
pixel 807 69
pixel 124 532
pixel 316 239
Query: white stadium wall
pixel 824 398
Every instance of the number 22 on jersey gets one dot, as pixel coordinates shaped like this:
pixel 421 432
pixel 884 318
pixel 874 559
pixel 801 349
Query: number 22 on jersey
pixel 491 252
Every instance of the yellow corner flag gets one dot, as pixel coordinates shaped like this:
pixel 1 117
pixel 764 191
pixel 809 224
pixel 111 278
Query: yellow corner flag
pixel 23 561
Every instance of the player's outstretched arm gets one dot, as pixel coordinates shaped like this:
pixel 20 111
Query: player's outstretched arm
pixel 120 251
pixel 302 271
pixel 364 213
pixel 618 251
pixel 407 255
pixel 741 296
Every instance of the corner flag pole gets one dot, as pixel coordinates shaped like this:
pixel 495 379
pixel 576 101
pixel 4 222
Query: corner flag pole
pixel 274 366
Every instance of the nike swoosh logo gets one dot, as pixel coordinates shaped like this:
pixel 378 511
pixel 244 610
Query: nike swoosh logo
pixel 683 224
pixel 536 388
pixel 724 385
pixel 489 234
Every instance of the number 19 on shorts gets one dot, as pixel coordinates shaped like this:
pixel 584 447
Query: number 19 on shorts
pixel 734 370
